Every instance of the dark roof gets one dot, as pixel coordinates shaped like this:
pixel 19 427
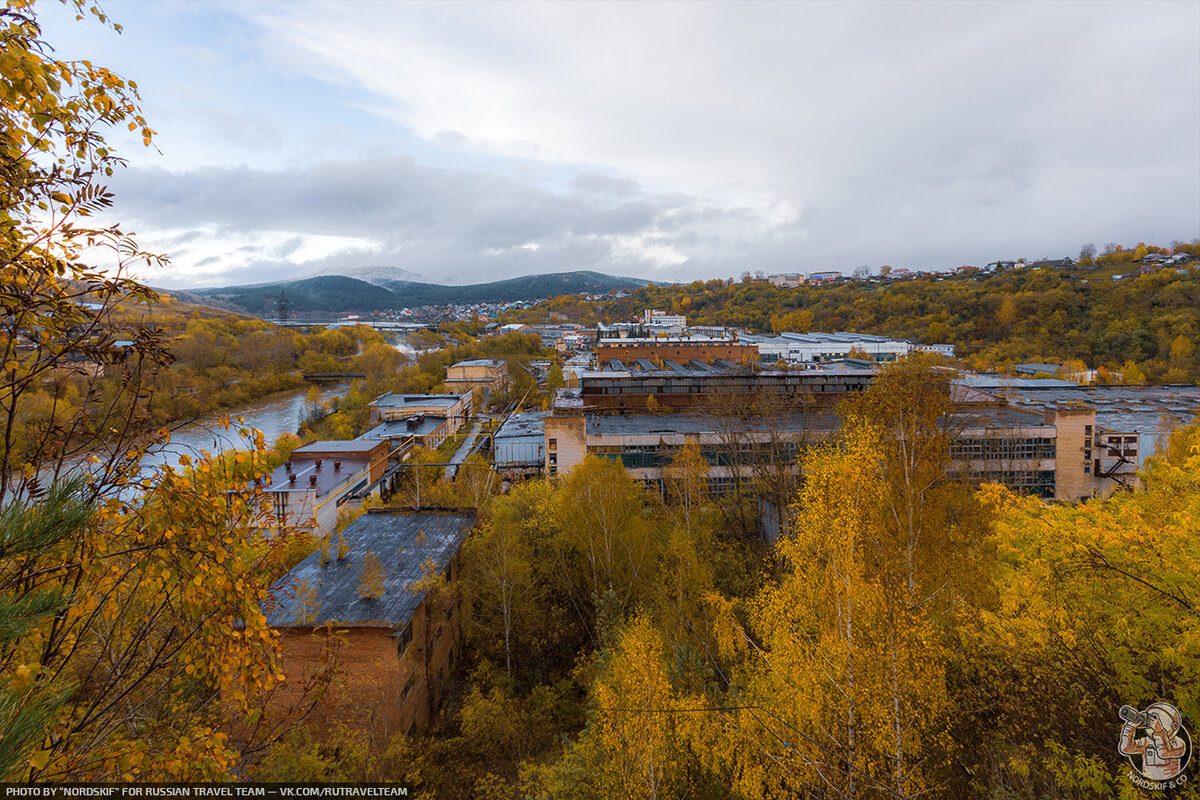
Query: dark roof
pixel 332 475
pixel 1037 369
pixel 402 541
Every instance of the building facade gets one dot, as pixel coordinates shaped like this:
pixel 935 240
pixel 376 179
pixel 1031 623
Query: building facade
pixel 486 375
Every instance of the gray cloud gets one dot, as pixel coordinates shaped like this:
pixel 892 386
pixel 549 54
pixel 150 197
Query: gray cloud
pixel 685 140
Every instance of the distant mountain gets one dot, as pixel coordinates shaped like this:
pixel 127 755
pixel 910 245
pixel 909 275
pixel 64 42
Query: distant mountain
pixel 380 276
pixel 339 293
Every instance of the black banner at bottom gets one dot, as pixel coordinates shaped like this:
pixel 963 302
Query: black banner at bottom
pixel 204 791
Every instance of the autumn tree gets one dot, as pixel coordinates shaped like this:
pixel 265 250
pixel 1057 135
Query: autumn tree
pixel 56 340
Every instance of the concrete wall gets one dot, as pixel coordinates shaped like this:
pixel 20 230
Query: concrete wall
pixel 566 443
pixel 1075 453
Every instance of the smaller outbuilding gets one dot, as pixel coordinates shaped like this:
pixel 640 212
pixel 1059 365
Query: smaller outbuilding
pixel 518 448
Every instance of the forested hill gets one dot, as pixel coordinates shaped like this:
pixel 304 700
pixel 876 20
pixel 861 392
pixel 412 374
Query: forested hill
pixel 1151 321
pixel 339 293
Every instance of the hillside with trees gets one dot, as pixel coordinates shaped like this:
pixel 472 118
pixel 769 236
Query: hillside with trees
pixel 1144 326
pixel 339 293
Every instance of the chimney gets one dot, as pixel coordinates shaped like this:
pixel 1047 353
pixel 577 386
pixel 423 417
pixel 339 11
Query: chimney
pixel 337 465
pixel 289 464
pixel 312 480
pixel 291 477
pixel 319 463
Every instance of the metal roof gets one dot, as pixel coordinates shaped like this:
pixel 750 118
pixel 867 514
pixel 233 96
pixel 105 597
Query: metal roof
pixel 402 541
pixel 392 400
pixel 352 447
pixel 398 428
pixel 480 362
pixel 529 423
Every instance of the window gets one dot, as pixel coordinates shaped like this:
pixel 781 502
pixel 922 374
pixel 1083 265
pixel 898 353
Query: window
pixel 404 641
pixel 552 444
pixel 553 459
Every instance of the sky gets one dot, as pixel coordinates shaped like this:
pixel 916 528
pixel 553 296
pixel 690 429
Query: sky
pixel 670 141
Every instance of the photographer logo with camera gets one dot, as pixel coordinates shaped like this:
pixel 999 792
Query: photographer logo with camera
pixel 1158 736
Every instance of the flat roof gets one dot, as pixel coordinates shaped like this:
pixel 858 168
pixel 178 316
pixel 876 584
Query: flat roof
pixel 404 543
pixel 351 447
pixel 396 428
pixel 480 362
pixel 393 400
pixel 1147 409
pixel 529 423
pixel 330 477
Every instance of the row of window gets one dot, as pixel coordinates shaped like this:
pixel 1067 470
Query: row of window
pixel 1011 448
pixel 1036 482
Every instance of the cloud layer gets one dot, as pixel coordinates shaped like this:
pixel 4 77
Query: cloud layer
pixel 478 141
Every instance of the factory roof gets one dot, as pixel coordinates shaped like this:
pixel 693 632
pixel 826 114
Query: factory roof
pixel 481 362
pixel 408 545
pixel 350 447
pixel 331 474
pixel 393 400
pixel 425 424
pixel 529 423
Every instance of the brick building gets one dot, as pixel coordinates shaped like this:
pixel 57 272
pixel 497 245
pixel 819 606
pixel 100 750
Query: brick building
pixel 393 652
pixel 705 350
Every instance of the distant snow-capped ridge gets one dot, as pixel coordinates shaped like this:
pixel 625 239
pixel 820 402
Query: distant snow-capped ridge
pixel 380 276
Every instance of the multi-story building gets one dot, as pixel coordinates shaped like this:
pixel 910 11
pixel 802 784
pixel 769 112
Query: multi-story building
pixel 1057 443
pixel 485 374
pixel 393 639
pixel 682 350
pixel 455 408
pixel 318 478
pixel 661 319
pixel 631 385
pixel 804 348
pixel 787 280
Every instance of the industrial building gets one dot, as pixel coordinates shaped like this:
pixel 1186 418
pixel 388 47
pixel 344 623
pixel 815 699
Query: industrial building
pixel 682 350
pixel 631 385
pixel 1062 442
pixel 518 447
pixel 454 408
pixel 316 480
pixel 805 348
pixel 394 650
pixel 485 374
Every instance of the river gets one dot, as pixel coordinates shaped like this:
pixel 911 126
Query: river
pixel 273 415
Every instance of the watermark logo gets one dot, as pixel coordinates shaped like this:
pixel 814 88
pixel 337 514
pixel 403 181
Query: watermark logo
pixel 1157 745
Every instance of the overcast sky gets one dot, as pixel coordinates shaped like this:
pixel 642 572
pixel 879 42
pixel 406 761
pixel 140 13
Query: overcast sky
pixel 669 141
